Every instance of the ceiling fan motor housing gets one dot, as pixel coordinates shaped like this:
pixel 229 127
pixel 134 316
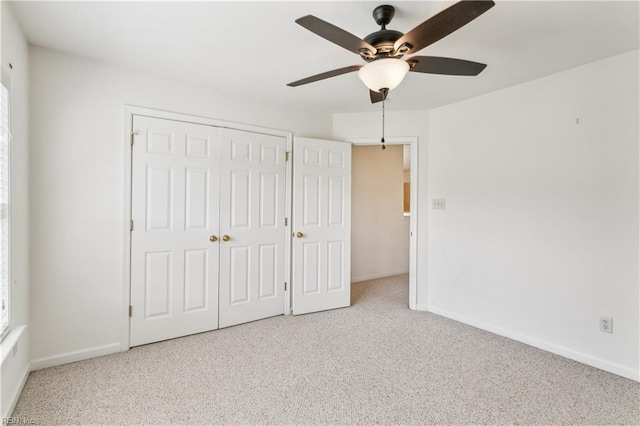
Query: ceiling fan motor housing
pixel 383 41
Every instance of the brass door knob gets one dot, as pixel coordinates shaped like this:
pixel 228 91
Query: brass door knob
pixel 226 238
pixel 299 234
pixel 213 238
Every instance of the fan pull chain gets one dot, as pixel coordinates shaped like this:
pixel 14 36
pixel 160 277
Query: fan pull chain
pixel 382 140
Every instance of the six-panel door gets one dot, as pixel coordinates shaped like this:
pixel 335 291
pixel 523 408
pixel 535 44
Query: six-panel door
pixel 175 207
pixel 321 225
pixel 252 216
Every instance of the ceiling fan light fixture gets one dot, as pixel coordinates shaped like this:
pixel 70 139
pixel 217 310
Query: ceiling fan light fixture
pixel 385 73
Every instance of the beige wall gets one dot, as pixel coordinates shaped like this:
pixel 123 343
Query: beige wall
pixel 379 232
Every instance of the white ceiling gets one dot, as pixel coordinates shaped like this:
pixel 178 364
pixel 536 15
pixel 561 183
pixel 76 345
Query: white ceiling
pixel 255 48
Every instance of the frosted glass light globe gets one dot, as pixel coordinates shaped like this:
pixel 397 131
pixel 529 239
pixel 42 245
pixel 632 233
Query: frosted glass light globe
pixel 383 74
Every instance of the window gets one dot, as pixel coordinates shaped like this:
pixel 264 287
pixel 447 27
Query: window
pixel 5 137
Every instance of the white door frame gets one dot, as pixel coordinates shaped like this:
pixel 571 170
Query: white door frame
pixel 129 112
pixel 412 141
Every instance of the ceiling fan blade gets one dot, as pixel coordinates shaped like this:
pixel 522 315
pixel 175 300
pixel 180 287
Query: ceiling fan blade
pixel 335 34
pixel 377 96
pixel 446 66
pixel 443 24
pixel 327 74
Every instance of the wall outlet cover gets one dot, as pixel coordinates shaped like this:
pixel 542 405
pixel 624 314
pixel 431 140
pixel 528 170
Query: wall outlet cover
pixel 606 324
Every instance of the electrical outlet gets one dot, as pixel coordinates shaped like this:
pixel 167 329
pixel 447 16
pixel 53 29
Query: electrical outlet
pixel 606 324
pixel 438 204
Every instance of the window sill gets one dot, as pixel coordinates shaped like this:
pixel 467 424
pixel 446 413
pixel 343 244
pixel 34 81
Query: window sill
pixel 10 342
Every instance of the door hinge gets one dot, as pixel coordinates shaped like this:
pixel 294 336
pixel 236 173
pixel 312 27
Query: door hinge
pixel 285 286
pixel 286 221
pixel 133 135
pixel 131 225
pixel 130 311
pixel 286 156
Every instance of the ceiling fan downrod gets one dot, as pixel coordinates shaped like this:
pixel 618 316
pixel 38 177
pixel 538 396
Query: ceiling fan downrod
pixel 384 93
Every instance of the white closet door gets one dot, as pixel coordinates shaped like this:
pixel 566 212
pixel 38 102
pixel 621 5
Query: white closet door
pixel 252 215
pixel 321 225
pixel 174 265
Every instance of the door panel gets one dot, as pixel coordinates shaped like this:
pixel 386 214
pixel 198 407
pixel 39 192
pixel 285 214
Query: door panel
pixel 195 281
pixel 322 214
pixel 310 267
pixel 175 193
pixel 158 284
pixel 268 270
pixel 239 268
pixel 252 260
pixel 197 202
pixel 335 265
pixel 336 200
pixel 159 197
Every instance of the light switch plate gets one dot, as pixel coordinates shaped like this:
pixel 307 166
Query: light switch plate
pixel 438 204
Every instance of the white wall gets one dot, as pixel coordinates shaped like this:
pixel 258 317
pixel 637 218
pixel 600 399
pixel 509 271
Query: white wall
pixel 379 231
pixel 77 190
pixel 541 231
pixel 15 368
pixel 540 234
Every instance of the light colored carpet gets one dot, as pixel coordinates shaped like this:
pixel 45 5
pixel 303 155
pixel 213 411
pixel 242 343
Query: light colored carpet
pixel 376 362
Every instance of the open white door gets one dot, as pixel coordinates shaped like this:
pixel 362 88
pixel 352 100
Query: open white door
pixel 321 225
pixel 174 248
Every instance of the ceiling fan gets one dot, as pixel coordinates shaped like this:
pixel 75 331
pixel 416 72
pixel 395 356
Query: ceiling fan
pixel 383 49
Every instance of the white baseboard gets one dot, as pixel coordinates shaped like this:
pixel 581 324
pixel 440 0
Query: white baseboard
pixel 376 276
pixel 17 393
pixel 74 356
pixel 602 364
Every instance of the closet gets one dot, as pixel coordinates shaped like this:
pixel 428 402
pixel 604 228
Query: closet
pixel 208 209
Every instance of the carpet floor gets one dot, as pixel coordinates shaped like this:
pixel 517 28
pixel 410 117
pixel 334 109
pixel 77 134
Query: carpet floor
pixel 376 362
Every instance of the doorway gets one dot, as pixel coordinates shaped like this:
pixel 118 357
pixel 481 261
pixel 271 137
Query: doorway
pixel 393 264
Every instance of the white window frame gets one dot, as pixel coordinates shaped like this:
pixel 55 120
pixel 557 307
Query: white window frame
pixel 5 244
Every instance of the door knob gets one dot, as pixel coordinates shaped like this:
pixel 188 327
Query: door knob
pixel 213 238
pixel 299 234
pixel 226 238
